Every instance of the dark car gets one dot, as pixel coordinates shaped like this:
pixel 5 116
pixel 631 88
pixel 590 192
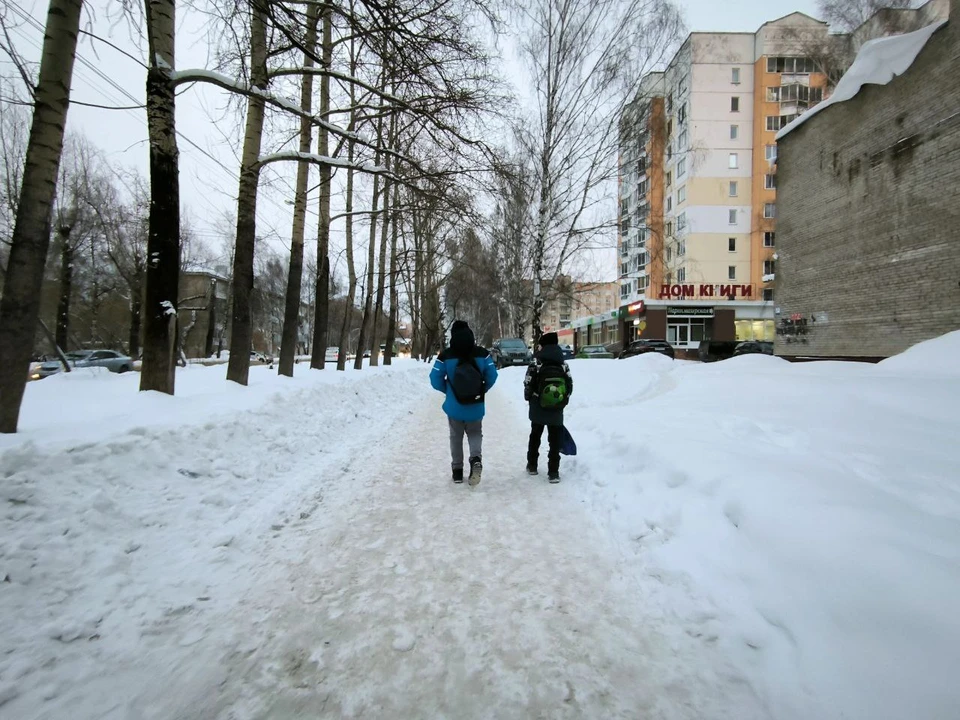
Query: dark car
pixel 641 347
pixel 753 347
pixel 567 351
pixel 594 352
pixel 713 350
pixel 510 351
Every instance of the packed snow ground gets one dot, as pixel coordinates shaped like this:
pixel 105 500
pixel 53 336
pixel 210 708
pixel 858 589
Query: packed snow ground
pixel 748 539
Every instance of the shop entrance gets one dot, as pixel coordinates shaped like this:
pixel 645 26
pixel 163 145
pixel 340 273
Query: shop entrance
pixel 687 332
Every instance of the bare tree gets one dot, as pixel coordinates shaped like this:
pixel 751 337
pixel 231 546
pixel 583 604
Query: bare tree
pixel 586 58
pixel 848 15
pixel 20 305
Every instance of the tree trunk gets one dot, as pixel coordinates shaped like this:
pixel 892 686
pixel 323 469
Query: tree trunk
pixel 211 320
pixel 376 324
pixel 345 328
pixel 291 315
pixel 365 330
pixel 241 338
pixel 20 305
pixel 322 293
pixel 136 301
pixel 66 287
pixel 162 279
pixel 392 321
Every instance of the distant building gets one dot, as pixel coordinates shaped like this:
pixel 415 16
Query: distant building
pixel 699 187
pixel 203 312
pixel 566 300
pixel 869 191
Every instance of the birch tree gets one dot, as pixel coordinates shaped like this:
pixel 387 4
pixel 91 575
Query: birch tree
pixel 20 304
pixel 586 59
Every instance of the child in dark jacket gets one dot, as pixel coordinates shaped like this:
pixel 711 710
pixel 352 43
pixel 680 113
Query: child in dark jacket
pixel 547 386
pixel 464 415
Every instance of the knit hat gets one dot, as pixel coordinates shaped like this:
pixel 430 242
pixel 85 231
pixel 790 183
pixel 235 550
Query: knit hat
pixel 549 338
pixel 459 325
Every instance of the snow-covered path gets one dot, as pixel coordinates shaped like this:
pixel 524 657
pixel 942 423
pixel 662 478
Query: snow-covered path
pixel 425 599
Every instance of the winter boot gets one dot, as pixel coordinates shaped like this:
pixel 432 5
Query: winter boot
pixel 532 469
pixel 554 476
pixel 476 468
pixel 458 475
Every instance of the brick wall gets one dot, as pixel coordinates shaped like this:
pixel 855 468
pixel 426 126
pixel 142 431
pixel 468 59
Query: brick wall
pixel 868 228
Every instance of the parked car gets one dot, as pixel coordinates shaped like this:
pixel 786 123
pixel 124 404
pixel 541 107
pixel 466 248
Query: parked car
pixel 510 351
pixel 108 359
pixel 259 357
pixel 713 350
pixel 594 352
pixel 331 355
pixel 753 347
pixel 567 351
pixel 641 347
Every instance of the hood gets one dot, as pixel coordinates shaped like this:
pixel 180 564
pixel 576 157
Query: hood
pixel 462 342
pixel 551 353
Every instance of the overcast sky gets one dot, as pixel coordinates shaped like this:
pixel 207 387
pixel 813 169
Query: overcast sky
pixel 210 138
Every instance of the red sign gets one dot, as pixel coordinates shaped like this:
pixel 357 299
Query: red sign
pixel 637 307
pixel 705 291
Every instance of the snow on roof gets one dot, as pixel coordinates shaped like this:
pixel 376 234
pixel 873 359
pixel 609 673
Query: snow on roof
pixel 878 62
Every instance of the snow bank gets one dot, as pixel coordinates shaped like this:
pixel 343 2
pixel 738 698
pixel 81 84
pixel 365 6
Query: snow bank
pixel 802 518
pixel 939 356
pixel 89 405
pixel 878 62
pixel 113 551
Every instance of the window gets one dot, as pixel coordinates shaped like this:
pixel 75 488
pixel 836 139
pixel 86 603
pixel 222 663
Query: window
pixel 735 76
pixel 732 244
pixel 732 217
pixel 669 179
pixel 670 254
pixel 770 152
pixel 735 104
pixel 769 210
pixel 682 195
pixel 681 275
pixel 734 132
pixel 778 122
pixel 768 294
pixel 770 182
pixel 668 229
pixel 625 290
pixel 734 161
pixel 642 166
pixel 682 114
pixel 681 167
pixel 682 140
pixel 768 239
pixel 790 65
pixel 624 269
pixel 769 267
pixel 733 188
pixel 682 247
pixel 669 203
pixel 642 188
pixel 669 152
pixel 681 222
pixel 732 272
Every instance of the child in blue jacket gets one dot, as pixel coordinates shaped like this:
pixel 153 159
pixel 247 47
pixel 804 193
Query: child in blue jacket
pixel 464 373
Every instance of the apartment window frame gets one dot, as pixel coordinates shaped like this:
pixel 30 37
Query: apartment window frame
pixel 769 181
pixel 769 267
pixel 734 103
pixel 732 216
pixel 731 244
pixel 733 161
pixel 681 194
pixel 769 239
pixel 734 132
pixel 770 153
pixel 681 274
pixel 670 202
pixel 681 168
pixel 731 272
pixel 767 295
pixel 669 179
pixel 733 188
pixel 681 222
pixel 769 211
pixel 735 75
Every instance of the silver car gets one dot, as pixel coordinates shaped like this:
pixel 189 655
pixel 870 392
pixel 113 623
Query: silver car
pixel 112 361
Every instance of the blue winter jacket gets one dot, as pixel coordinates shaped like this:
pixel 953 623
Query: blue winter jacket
pixel 443 369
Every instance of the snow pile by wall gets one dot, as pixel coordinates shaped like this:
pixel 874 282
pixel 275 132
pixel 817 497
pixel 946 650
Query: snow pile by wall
pixel 878 62
pixel 802 517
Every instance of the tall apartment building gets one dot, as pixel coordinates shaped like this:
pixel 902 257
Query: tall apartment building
pixel 566 300
pixel 698 182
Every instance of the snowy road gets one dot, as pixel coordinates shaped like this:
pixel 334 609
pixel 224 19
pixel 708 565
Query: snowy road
pixel 426 599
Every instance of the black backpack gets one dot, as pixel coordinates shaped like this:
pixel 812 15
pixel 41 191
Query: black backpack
pixel 468 384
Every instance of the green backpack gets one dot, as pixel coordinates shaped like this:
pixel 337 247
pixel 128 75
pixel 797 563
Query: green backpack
pixel 553 387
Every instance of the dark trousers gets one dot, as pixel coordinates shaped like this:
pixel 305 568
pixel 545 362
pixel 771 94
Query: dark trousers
pixel 554 437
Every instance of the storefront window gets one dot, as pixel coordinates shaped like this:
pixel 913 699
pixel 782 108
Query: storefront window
pixel 686 332
pixel 764 330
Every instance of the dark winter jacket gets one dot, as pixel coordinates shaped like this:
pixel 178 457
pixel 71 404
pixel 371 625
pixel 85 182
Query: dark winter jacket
pixel 462 349
pixel 550 355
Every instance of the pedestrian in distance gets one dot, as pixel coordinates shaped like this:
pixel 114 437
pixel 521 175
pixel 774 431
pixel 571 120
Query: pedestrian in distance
pixel 464 373
pixel 547 387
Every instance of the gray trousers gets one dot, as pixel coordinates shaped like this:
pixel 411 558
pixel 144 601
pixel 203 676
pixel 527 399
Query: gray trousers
pixel 474 431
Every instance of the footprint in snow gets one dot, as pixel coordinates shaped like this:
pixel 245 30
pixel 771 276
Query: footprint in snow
pixel 404 639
